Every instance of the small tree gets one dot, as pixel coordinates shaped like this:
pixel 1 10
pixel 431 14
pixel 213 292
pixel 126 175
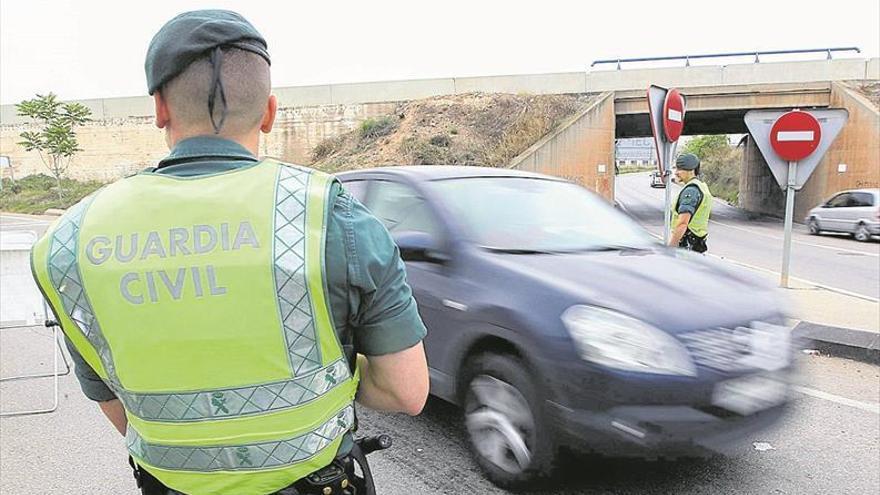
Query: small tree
pixel 56 140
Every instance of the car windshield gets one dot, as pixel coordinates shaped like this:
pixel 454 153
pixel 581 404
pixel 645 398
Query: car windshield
pixel 527 215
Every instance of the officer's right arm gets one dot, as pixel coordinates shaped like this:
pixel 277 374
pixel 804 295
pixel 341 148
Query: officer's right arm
pixel 95 389
pixel 396 382
pixel 388 331
pixel 679 229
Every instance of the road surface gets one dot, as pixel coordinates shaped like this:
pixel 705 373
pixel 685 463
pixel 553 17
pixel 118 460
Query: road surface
pixel 836 261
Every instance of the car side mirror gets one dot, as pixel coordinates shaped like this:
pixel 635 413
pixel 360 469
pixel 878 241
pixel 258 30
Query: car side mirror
pixel 419 246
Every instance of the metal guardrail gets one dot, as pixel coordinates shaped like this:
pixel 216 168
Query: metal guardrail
pixel 757 54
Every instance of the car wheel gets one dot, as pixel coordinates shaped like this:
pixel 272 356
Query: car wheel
pixel 814 227
pixel 862 234
pixel 505 421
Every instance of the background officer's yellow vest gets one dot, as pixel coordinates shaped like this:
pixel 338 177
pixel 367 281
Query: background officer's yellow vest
pixel 699 223
pixel 202 303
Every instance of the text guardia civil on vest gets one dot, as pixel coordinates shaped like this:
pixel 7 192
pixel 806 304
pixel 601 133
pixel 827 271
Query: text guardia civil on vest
pixel 140 287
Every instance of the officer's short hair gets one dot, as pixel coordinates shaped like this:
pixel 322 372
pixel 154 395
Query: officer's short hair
pixel 246 83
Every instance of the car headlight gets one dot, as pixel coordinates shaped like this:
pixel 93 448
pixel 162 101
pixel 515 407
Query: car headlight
pixel 618 341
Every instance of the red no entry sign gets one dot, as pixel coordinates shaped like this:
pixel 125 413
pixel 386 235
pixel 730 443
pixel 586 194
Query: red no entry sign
pixel 673 115
pixel 795 135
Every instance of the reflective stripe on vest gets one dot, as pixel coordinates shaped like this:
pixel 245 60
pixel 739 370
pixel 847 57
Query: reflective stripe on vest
pixel 699 223
pixel 157 283
pixel 261 455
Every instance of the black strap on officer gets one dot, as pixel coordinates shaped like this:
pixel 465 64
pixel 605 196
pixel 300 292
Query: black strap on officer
pixel 217 86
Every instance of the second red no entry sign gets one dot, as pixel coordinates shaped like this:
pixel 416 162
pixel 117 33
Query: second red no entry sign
pixel 795 135
pixel 673 115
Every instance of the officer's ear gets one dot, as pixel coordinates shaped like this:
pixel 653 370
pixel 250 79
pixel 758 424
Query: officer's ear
pixel 269 116
pixel 163 115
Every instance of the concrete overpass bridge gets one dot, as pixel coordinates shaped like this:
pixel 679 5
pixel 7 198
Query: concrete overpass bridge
pixel 719 109
pixel 122 138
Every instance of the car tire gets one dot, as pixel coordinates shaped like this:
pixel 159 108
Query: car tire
pixel 862 234
pixel 814 226
pixel 505 421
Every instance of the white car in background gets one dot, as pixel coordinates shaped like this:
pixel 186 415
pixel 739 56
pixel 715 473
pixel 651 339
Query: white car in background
pixel 855 212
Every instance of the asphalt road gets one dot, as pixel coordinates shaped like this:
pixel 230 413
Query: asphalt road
pixel 831 260
pixel 829 443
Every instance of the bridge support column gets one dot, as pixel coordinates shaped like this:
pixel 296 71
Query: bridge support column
pixel 758 190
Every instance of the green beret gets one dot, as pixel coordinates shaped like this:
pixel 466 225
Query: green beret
pixel 687 161
pixel 191 35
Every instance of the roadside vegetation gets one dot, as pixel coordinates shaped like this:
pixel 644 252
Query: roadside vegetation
pixel 720 165
pixel 468 129
pixel 635 169
pixel 55 139
pixel 52 136
pixel 35 194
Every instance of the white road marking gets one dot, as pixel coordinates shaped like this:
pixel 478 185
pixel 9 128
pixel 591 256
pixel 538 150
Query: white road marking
pixel 797 279
pixel 794 136
pixel 821 246
pixel 30 224
pixel 864 406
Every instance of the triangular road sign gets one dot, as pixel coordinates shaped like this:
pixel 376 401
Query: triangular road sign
pixel 656 97
pixel 760 122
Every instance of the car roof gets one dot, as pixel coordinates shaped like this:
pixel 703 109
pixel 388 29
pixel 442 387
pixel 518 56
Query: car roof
pixel 874 191
pixel 421 173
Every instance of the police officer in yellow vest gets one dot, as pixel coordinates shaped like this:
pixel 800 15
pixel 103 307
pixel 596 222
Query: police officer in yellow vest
pixel 692 206
pixel 226 311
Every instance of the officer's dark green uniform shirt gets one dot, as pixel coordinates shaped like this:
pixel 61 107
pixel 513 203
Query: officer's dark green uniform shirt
pixel 689 199
pixel 368 293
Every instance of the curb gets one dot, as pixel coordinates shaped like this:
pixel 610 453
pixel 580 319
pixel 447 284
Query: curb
pixel 859 345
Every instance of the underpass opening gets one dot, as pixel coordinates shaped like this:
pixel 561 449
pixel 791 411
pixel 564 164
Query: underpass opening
pixel 851 162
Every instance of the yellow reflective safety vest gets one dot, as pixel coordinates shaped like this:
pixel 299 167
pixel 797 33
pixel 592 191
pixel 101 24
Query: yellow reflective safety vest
pixel 202 303
pixel 699 223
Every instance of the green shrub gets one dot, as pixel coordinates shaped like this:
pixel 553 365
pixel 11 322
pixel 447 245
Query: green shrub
pixel 441 140
pixel 378 127
pixel 326 148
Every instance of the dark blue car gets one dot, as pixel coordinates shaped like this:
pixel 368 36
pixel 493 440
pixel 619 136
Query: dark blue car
pixel 556 321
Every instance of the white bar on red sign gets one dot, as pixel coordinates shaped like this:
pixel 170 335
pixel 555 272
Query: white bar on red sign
pixel 794 136
pixel 674 115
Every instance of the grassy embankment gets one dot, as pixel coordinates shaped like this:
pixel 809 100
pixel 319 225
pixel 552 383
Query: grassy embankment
pixel 37 193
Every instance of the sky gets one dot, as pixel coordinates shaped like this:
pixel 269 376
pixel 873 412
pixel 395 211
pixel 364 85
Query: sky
pixel 82 49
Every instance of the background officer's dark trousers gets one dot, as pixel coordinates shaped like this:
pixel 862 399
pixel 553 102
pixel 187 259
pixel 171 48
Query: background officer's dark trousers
pixel 693 242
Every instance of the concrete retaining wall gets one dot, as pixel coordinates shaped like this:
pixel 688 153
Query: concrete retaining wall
pixel 580 150
pixel 116 147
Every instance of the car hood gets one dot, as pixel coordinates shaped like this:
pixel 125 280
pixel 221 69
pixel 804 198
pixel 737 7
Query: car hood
pixel 671 289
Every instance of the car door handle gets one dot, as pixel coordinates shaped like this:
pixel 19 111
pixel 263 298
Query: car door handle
pixel 454 305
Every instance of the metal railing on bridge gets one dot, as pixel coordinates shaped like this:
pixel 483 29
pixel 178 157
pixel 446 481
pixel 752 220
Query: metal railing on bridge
pixel 757 54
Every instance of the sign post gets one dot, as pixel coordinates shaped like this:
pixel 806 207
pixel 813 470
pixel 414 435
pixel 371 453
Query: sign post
pixel 793 143
pixel 666 109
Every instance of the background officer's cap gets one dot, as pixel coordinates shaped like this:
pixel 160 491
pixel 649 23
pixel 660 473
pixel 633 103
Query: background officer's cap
pixel 191 35
pixel 687 161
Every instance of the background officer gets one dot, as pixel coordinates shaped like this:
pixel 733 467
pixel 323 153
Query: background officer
pixel 692 206
pixel 221 309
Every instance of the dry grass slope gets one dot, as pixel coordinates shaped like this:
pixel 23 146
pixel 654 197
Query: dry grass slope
pixel 469 129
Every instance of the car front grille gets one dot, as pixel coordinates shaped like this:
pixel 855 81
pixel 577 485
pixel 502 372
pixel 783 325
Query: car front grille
pixel 758 346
